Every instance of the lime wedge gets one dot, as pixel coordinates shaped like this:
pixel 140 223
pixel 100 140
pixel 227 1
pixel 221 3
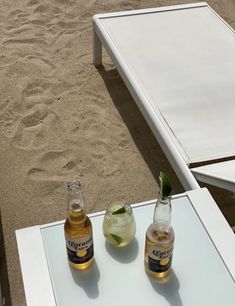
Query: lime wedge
pixel 121 210
pixel 117 238
pixel 165 185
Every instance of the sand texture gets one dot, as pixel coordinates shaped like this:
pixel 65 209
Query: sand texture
pixel 61 118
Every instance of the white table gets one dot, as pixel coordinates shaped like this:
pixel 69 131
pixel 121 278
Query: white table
pixel 203 262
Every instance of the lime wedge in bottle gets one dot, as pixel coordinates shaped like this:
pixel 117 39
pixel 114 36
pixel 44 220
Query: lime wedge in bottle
pixel 165 185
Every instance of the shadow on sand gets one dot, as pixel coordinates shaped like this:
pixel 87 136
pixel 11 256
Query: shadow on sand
pixel 137 126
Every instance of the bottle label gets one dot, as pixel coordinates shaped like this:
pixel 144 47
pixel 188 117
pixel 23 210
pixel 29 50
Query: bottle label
pixel 79 250
pixel 160 260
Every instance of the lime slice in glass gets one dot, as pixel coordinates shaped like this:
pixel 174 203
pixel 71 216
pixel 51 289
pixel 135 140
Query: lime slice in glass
pixel 120 210
pixel 117 238
pixel 165 185
pixel 113 239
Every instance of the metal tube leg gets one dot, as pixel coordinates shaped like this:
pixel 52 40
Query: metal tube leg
pixel 97 48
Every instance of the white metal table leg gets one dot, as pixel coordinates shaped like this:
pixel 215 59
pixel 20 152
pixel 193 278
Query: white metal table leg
pixel 97 47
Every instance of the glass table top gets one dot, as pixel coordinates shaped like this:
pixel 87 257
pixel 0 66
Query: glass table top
pixel 117 277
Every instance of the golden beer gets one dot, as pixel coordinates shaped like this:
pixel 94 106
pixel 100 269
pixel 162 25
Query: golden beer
pixel 159 240
pixel 78 230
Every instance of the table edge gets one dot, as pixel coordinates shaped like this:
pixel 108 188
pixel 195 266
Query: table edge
pixel 36 276
pixel 216 227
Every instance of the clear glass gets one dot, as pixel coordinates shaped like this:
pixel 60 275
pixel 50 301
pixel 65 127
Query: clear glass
pixel 162 213
pixel 78 230
pixel 119 224
pixel 159 242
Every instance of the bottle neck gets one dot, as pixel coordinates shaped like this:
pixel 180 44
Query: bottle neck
pixel 162 213
pixel 75 202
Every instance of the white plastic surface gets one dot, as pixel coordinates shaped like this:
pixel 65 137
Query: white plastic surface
pixel 118 278
pixel 216 225
pixel 36 277
pixel 184 63
pixel 220 174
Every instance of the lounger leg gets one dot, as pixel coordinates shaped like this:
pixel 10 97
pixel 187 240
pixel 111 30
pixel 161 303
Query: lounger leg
pixel 97 48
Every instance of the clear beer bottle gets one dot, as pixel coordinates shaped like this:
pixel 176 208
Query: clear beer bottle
pixel 78 230
pixel 159 241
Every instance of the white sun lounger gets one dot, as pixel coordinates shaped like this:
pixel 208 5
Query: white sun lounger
pixel 178 62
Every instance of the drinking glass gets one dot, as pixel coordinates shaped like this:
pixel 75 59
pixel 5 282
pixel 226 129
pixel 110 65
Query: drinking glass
pixel 119 224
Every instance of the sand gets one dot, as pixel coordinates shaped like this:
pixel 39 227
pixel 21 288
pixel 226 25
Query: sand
pixel 61 118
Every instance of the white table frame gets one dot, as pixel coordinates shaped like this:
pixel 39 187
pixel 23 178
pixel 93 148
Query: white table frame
pixel 36 277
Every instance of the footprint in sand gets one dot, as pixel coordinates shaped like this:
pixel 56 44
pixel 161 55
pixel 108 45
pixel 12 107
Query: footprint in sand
pixel 28 121
pixel 60 165
pixel 33 129
pixel 33 2
pixel 37 87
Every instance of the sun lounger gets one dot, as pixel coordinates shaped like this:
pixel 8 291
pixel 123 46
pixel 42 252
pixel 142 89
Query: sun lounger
pixel 178 63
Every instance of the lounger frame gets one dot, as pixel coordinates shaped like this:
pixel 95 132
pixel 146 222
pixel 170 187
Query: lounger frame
pixel 175 156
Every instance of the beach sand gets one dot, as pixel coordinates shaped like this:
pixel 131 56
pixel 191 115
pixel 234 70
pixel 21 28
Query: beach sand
pixel 61 118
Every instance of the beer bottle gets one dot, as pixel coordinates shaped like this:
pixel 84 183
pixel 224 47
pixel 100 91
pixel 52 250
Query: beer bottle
pixel 78 230
pixel 159 241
